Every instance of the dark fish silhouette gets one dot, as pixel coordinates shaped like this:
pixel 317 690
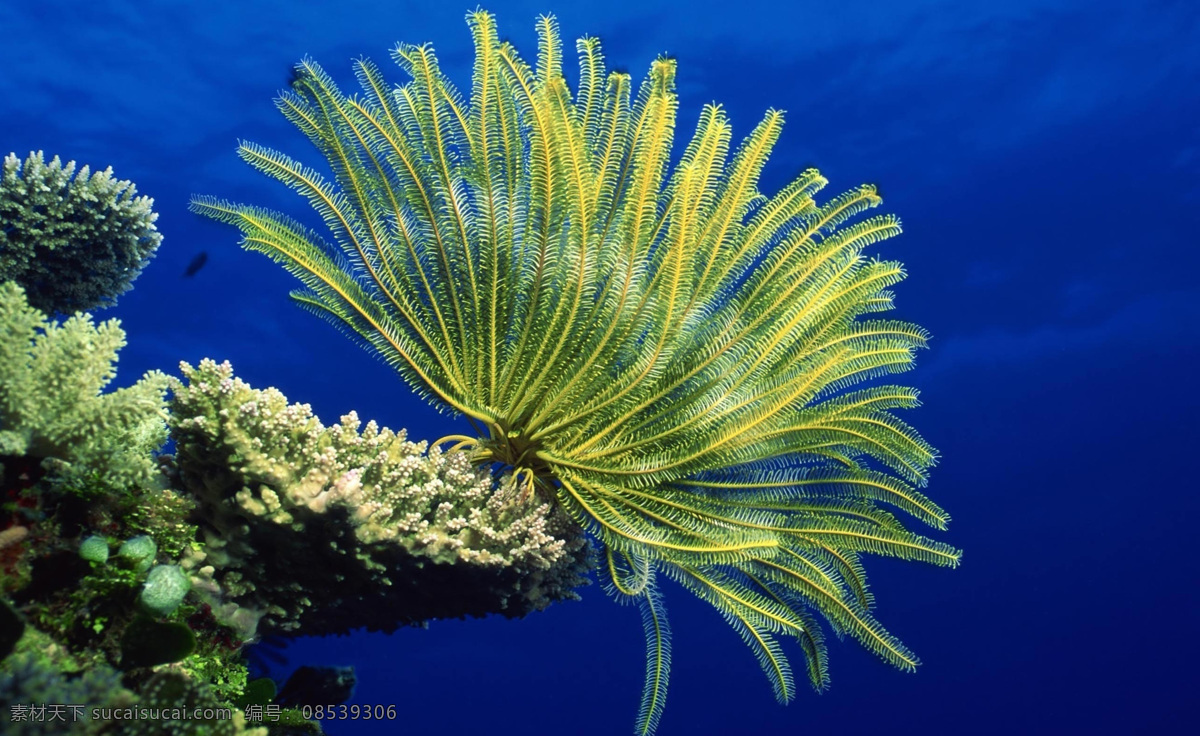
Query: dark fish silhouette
pixel 196 264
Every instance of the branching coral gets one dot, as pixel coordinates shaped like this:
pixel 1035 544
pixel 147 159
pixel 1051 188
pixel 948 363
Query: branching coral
pixel 51 405
pixel 324 529
pixel 80 480
pixel 74 240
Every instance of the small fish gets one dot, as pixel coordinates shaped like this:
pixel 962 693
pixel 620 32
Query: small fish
pixel 196 264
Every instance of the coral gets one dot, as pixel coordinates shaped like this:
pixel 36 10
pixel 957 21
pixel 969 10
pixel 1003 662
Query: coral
pixel 40 699
pixel 73 243
pixel 79 476
pixel 214 662
pixel 43 692
pixel 51 376
pixel 324 529
pixel 136 578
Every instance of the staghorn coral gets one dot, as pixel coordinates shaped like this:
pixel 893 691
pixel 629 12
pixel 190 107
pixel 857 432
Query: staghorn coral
pixel 73 243
pixel 52 408
pixel 324 529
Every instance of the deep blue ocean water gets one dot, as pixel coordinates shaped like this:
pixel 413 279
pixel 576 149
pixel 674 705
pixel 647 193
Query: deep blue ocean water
pixel 1045 159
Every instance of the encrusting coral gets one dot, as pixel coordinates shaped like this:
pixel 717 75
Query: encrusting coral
pixel 324 529
pixel 74 240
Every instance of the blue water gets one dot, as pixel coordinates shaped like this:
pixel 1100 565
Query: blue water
pixel 1044 157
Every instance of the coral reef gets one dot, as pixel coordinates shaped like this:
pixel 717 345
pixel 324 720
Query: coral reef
pixel 325 529
pixel 89 536
pixel 131 581
pixel 74 240
pixel 47 692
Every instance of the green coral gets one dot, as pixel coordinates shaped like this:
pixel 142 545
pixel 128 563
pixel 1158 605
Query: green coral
pixel 51 405
pixel 41 671
pixel 80 465
pixel 79 473
pixel 74 240
pixel 85 607
pixel 325 529
pixel 266 521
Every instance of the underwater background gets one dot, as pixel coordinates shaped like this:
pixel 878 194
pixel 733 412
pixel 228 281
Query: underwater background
pixel 1045 160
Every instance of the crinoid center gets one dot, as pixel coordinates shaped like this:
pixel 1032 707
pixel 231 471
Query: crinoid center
pixel 518 452
pixel 514 449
